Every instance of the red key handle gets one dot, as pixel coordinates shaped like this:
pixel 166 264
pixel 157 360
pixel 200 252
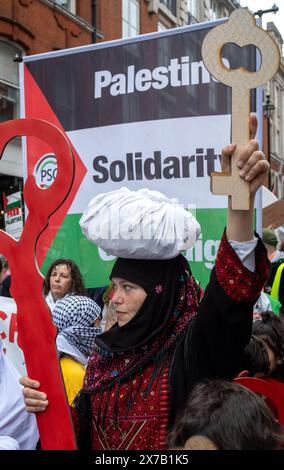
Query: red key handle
pixel 37 332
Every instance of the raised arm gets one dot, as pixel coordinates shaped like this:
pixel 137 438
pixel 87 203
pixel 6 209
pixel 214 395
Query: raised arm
pixel 222 328
pixel 254 169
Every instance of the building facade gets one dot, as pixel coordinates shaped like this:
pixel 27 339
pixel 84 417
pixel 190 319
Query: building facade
pixel 38 26
pixel 274 113
pixel 32 27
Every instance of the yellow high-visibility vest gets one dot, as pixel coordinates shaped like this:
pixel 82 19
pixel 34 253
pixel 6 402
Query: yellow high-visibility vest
pixel 276 283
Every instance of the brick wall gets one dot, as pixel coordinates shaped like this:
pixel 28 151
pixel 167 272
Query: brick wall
pixel 148 21
pixel 40 27
pixel 109 19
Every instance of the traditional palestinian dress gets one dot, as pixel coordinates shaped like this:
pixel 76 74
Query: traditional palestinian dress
pixel 138 380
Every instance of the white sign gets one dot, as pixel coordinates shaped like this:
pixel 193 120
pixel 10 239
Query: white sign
pixel 9 333
pixel 14 215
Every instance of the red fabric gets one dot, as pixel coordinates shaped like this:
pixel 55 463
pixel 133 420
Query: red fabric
pixel 144 426
pixel 271 389
pixel 237 281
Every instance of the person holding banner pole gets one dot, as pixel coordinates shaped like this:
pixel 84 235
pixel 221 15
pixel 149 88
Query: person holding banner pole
pixel 166 337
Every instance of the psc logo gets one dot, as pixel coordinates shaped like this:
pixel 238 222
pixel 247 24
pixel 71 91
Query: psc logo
pixel 45 171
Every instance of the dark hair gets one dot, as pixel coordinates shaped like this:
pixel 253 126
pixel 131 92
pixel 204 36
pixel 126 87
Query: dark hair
pixel 5 287
pixel 77 278
pixel 230 415
pixel 255 357
pixel 271 330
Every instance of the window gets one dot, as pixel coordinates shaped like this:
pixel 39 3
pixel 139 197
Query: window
pixel 171 5
pixel 69 5
pixel 192 7
pixel 130 18
pixel 192 11
pixel 9 82
pixel 214 10
pixel 277 142
pixel 9 102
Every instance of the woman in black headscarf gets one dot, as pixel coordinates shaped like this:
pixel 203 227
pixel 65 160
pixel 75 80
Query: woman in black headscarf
pixel 155 301
pixel 137 380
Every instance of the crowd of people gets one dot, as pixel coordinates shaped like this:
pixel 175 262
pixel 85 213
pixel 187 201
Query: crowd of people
pixel 156 370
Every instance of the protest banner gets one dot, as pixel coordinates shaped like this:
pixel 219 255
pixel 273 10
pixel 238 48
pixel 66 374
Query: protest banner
pixel 141 112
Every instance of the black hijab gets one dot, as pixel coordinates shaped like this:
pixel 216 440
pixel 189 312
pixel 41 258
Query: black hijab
pixel 161 281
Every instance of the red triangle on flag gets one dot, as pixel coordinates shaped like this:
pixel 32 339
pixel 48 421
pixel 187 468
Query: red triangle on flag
pixel 37 107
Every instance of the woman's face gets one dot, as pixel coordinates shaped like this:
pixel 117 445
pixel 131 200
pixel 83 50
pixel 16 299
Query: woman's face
pixel 127 298
pixel 60 281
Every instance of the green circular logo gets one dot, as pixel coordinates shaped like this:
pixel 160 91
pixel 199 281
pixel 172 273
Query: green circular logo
pixel 45 171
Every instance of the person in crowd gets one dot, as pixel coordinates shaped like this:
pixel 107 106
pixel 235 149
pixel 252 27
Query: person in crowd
pixel 262 304
pixel 18 429
pixel 97 294
pixel 75 318
pixel 5 278
pixel 255 361
pixel 271 330
pixel 62 278
pixel 8 443
pixel 270 241
pixel 275 284
pixel 5 287
pixel 229 417
pixel 165 340
pixel 5 270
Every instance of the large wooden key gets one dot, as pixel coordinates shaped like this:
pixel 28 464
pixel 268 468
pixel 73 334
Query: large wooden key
pixel 242 30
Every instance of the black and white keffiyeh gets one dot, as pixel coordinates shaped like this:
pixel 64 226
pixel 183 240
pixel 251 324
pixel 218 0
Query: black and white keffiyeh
pixel 74 316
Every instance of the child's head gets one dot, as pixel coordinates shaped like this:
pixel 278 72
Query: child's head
pixel 271 329
pixel 229 415
pixel 255 361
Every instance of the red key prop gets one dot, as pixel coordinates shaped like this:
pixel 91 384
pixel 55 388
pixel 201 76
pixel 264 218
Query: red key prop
pixel 37 332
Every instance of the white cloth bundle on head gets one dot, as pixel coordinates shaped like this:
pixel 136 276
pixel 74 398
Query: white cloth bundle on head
pixel 139 224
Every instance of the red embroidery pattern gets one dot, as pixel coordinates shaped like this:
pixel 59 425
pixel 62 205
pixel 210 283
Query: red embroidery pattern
pixel 237 281
pixel 164 410
pixel 144 426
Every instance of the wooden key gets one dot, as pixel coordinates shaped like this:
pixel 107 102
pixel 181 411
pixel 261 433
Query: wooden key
pixel 242 30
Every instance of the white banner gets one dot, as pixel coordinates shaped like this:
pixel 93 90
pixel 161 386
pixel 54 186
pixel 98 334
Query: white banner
pixel 9 333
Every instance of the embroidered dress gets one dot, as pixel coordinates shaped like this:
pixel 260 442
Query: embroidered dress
pixel 140 427
pixel 138 380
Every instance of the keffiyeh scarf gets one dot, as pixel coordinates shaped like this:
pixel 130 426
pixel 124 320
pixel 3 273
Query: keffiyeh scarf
pixel 74 316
